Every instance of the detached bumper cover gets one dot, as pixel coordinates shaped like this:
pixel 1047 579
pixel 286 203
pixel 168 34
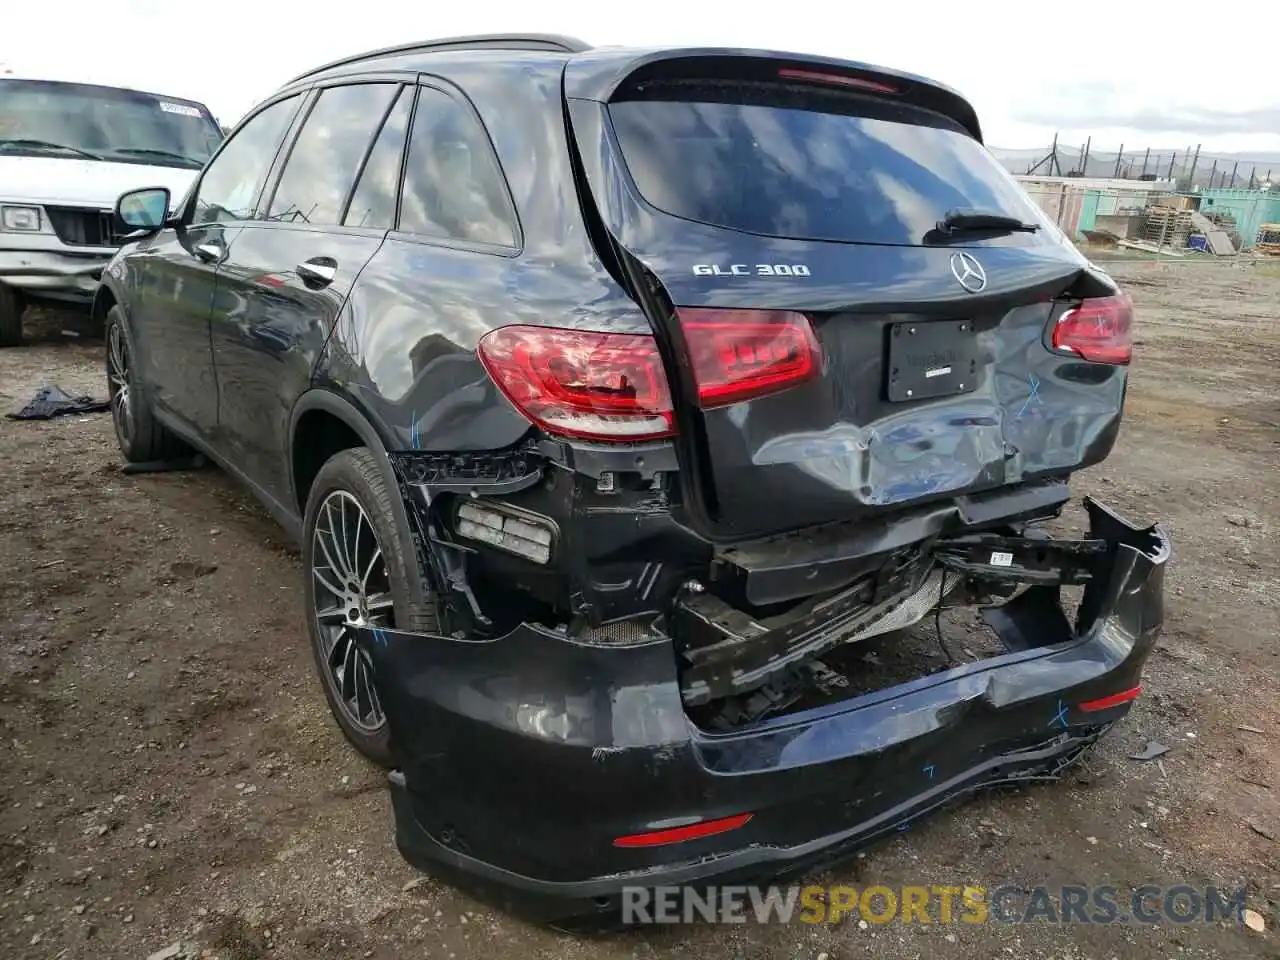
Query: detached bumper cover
pixel 523 758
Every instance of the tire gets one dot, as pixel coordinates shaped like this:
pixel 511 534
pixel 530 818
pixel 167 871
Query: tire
pixel 11 310
pixel 140 436
pixel 352 477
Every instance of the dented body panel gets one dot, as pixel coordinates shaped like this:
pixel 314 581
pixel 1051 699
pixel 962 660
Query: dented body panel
pixel 524 756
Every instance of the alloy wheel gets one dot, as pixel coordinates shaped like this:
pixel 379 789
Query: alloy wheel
pixel 118 391
pixel 352 590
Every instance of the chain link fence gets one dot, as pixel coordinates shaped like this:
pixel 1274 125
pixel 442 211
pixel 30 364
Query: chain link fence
pixel 1189 167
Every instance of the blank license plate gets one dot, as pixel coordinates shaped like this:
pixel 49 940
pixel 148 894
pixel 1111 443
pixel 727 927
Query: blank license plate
pixel 938 358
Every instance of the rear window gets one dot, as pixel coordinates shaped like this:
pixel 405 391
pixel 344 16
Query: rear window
pixel 810 165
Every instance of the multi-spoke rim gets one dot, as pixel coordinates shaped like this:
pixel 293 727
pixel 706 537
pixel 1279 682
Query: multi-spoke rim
pixel 118 383
pixel 351 590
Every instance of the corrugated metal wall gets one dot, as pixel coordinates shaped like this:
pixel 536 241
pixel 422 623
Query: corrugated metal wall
pixel 1251 208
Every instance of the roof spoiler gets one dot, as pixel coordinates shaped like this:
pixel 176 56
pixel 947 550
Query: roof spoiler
pixel 604 74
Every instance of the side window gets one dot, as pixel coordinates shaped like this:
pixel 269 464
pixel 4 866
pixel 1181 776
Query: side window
pixel 230 186
pixel 452 185
pixel 374 202
pixel 326 157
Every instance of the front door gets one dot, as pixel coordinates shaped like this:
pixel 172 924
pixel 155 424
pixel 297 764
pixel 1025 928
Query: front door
pixel 178 270
pixel 174 286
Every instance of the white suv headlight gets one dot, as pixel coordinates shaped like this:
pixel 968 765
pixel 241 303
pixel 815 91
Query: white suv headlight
pixel 20 219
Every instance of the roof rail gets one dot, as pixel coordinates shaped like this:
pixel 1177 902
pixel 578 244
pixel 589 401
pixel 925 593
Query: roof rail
pixel 485 41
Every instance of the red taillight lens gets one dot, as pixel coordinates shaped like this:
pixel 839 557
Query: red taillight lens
pixel 742 354
pixel 1100 330
pixel 836 79
pixel 598 386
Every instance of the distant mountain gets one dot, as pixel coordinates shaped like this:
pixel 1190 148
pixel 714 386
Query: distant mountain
pixel 1132 163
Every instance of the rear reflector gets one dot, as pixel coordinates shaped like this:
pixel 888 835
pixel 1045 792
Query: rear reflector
pixel 1099 330
pixel 835 79
pixel 739 355
pixel 597 386
pixel 1105 703
pixel 694 831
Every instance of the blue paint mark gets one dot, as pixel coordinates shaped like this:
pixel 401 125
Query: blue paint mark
pixel 1033 394
pixel 903 827
pixel 1060 716
pixel 379 636
pixel 413 430
pixel 928 771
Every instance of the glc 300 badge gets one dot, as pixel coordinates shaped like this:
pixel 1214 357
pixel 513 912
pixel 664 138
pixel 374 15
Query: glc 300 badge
pixel 751 270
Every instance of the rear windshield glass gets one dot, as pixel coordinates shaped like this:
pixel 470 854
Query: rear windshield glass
pixel 799 173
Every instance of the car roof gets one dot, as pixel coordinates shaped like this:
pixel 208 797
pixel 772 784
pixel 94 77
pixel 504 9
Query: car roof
pixel 414 54
pixel 595 72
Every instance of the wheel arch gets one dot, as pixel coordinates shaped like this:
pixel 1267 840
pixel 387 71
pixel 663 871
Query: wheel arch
pixel 104 298
pixel 319 411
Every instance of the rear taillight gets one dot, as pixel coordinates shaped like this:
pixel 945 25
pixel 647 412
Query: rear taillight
pixel 1099 330
pixel 743 354
pixel 597 386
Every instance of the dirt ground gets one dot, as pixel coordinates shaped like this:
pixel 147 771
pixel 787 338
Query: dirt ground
pixel 170 772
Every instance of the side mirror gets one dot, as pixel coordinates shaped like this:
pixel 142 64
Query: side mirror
pixel 145 209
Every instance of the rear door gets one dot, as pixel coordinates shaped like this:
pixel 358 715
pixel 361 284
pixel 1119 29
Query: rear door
pixel 834 351
pixel 289 273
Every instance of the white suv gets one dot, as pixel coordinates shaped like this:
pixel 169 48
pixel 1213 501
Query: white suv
pixel 67 151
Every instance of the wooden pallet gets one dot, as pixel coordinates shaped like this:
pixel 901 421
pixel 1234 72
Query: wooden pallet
pixel 1168 226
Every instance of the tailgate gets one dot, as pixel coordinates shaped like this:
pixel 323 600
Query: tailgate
pixel 832 352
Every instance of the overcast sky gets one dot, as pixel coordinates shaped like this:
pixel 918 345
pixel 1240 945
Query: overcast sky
pixel 1089 67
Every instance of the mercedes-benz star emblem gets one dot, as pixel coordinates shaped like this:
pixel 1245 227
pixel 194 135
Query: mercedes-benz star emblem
pixel 969 272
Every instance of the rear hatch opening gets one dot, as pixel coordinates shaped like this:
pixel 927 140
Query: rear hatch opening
pixel 857 308
pixel 941 605
pixel 860 317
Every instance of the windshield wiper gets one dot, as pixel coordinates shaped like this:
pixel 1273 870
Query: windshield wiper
pixel 46 145
pixel 977 221
pixel 167 154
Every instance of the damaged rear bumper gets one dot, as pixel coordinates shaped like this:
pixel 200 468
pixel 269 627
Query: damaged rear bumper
pixel 525 758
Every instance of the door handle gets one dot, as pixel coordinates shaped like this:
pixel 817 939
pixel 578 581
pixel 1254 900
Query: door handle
pixel 210 252
pixel 318 271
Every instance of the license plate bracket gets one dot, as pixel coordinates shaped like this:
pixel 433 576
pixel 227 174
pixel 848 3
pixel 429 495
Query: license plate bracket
pixel 931 359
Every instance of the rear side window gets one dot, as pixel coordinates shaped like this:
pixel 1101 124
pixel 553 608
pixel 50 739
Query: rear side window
pixel 327 154
pixel 453 187
pixel 812 166
pixel 374 202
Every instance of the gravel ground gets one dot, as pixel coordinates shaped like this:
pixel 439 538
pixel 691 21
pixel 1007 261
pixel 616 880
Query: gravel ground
pixel 171 773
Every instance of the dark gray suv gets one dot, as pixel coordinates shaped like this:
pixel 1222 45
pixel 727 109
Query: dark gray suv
pixel 617 398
